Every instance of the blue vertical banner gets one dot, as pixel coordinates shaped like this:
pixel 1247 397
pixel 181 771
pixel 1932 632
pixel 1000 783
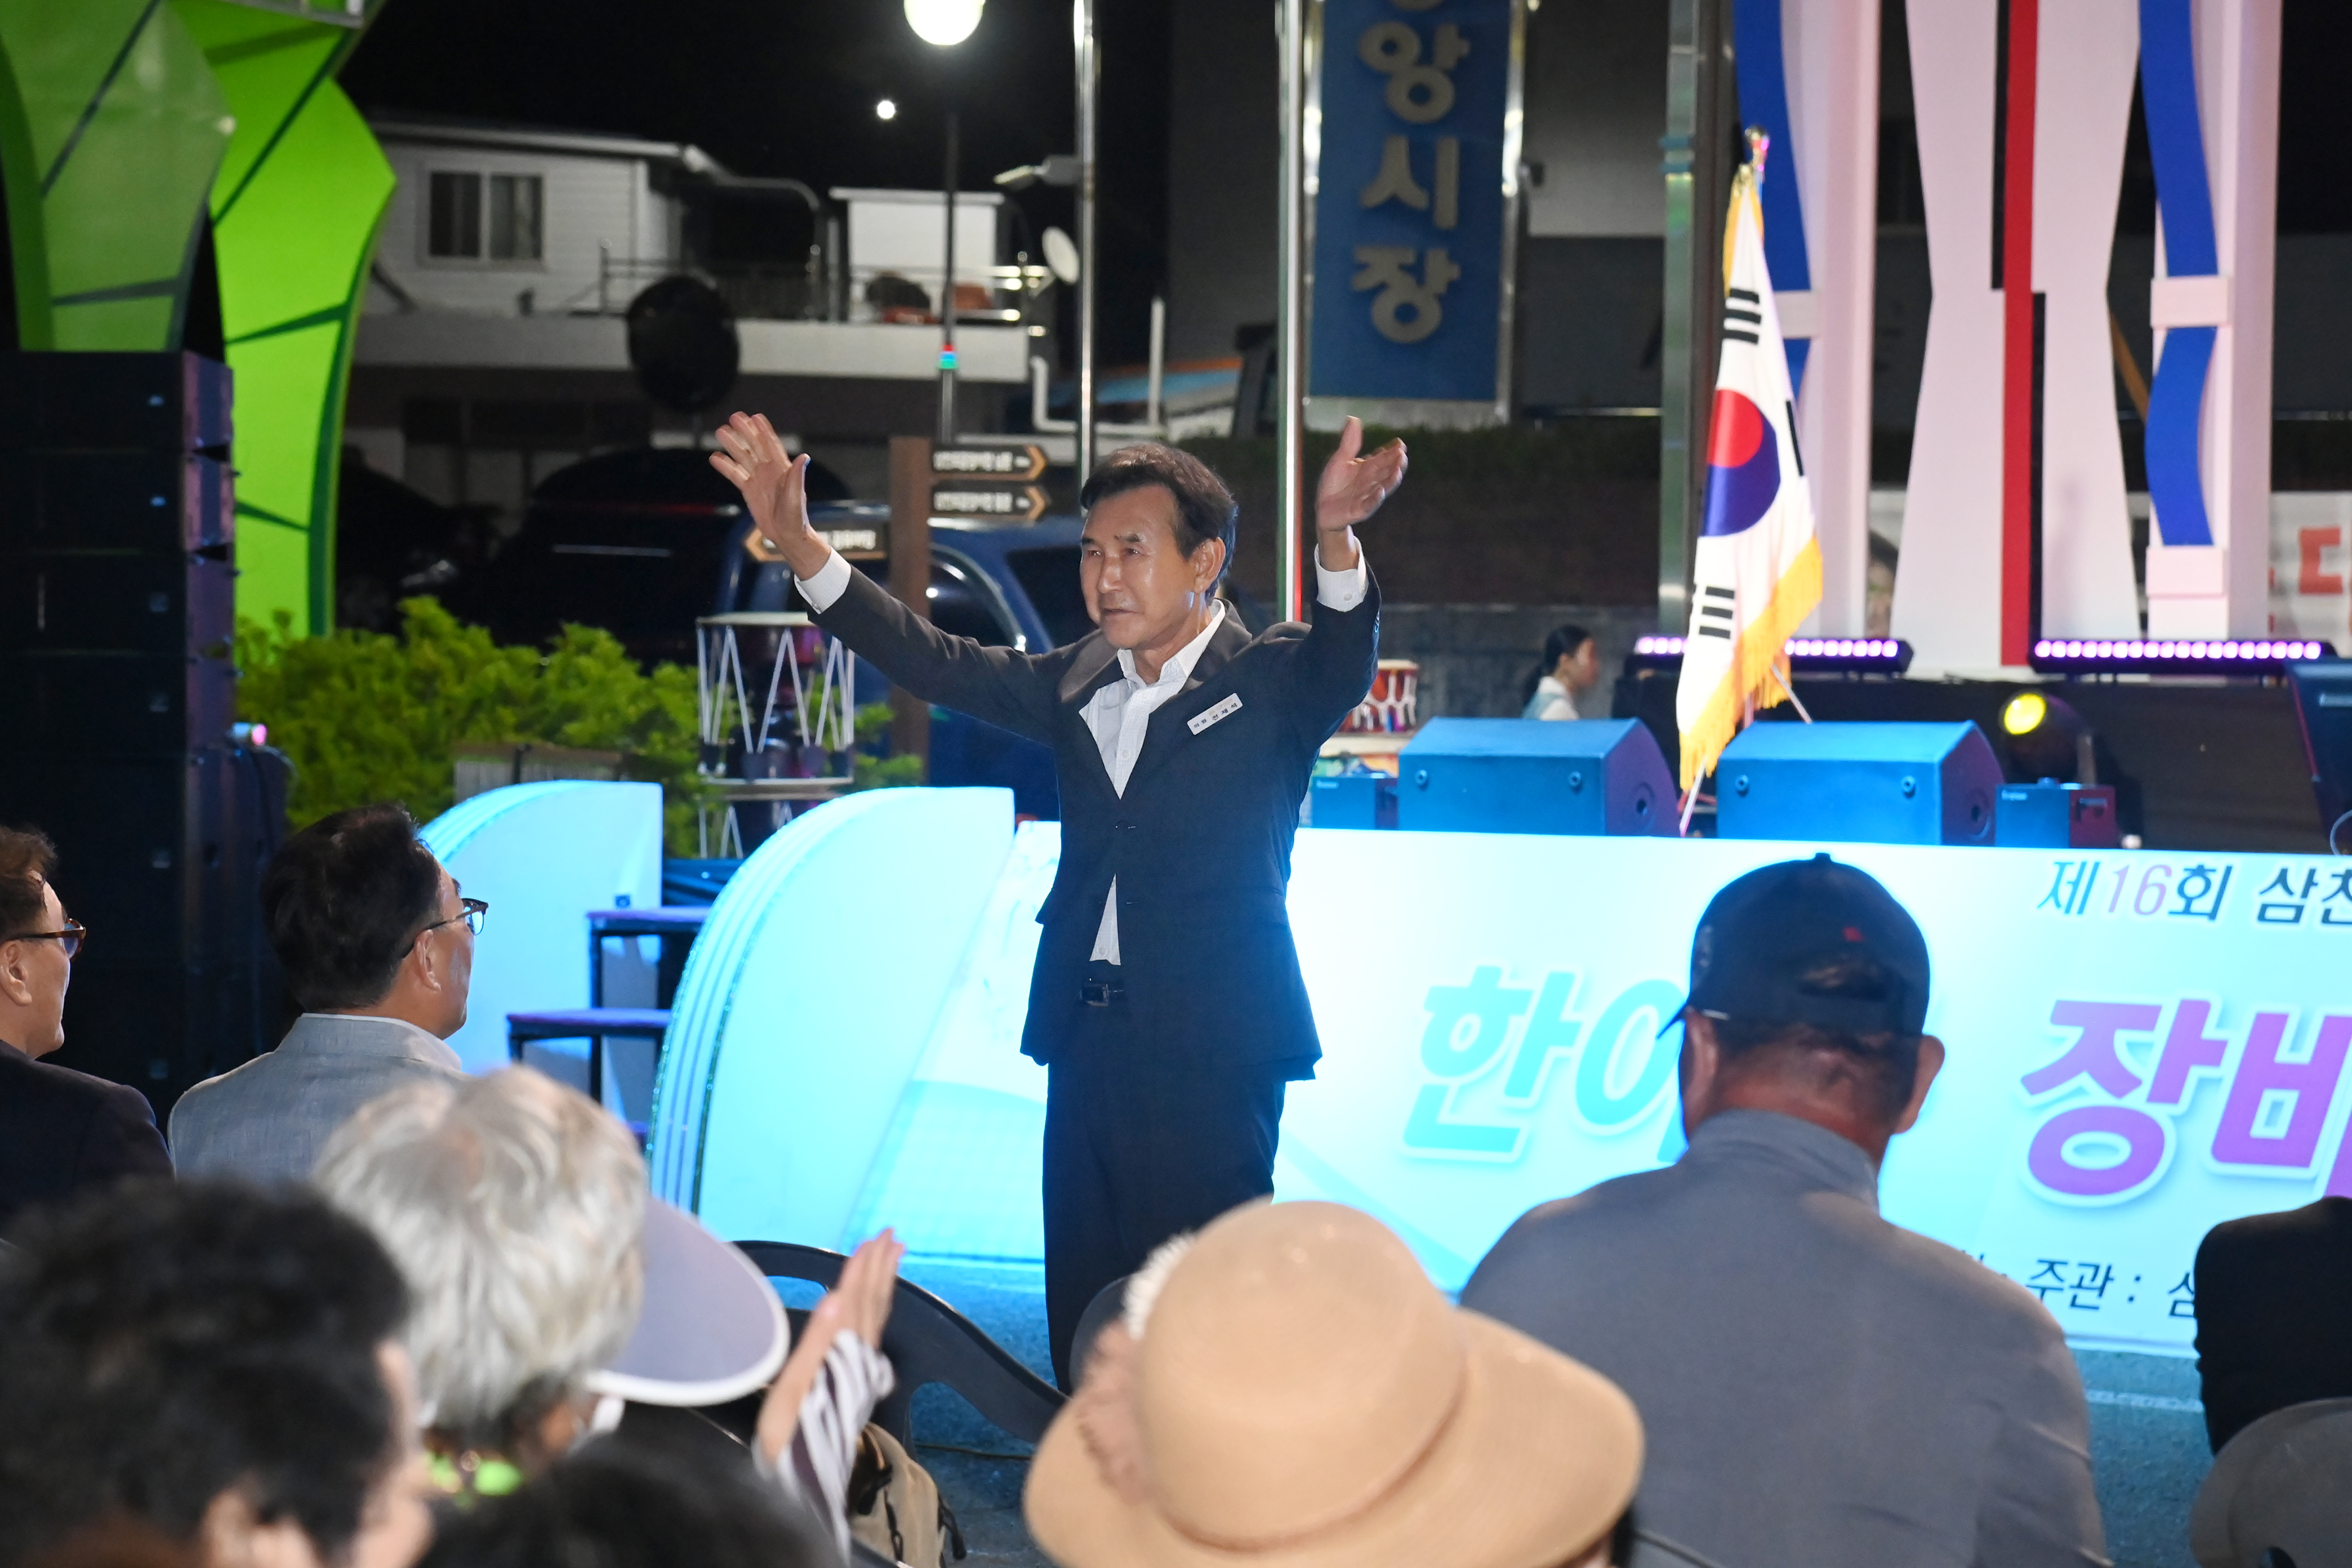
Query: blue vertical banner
pixel 2175 144
pixel 1416 201
pixel 1760 62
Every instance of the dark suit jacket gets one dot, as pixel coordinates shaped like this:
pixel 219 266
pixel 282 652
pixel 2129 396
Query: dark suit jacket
pixel 1200 843
pixel 62 1131
pixel 2273 1298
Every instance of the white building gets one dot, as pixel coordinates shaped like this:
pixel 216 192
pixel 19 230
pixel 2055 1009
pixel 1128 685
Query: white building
pixel 493 347
pixel 499 222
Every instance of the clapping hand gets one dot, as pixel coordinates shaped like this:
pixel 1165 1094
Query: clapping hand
pixel 774 486
pixel 1353 487
pixel 858 1303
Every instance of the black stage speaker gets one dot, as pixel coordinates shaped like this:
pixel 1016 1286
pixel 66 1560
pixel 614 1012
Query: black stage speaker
pixel 2323 706
pixel 1528 775
pixel 2052 816
pixel 152 403
pixel 117 606
pixel 1858 784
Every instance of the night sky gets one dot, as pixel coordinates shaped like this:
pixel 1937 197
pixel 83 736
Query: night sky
pixel 788 87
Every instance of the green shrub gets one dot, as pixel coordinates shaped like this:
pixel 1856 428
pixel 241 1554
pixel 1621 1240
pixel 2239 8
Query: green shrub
pixel 367 717
pixel 871 766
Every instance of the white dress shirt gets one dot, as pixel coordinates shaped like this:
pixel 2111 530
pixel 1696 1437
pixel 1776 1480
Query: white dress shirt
pixel 1119 716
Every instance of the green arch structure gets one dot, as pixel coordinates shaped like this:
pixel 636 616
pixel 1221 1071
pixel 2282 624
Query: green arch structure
pixel 125 125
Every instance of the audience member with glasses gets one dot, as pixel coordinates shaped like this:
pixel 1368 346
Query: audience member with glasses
pixel 377 942
pixel 60 1131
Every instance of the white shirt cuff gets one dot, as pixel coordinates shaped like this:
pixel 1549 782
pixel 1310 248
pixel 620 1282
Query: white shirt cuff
pixel 821 592
pixel 1339 590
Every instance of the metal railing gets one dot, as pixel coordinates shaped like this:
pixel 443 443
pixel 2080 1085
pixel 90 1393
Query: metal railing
pixel 760 291
pixel 1014 292
pixel 780 291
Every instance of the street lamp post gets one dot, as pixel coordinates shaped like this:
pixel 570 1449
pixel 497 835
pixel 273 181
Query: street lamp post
pixel 1082 19
pixel 948 299
pixel 1290 320
pixel 945 23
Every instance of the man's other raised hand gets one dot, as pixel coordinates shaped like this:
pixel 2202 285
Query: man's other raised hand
pixel 774 486
pixel 1353 487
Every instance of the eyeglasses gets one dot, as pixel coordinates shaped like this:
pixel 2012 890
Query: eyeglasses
pixel 475 913
pixel 70 939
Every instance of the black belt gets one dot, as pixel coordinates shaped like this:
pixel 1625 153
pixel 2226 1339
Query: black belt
pixel 1102 986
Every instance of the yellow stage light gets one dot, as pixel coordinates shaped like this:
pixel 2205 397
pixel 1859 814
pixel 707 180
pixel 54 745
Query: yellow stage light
pixel 2024 713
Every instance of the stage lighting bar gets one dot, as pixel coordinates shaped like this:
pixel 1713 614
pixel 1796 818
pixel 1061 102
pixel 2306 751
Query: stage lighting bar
pixel 2216 656
pixel 1807 656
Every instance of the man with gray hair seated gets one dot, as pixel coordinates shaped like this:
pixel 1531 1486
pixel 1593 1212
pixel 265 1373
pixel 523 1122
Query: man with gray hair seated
pixel 378 948
pixel 550 1287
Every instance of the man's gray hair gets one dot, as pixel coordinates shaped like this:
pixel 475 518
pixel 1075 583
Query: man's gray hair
pixel 516 1207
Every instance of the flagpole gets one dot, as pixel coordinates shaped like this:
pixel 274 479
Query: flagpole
pixel 1290 320
pixel 1788 692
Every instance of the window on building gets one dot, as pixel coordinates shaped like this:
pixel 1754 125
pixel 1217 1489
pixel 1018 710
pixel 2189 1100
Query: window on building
pixel 454 224
pixel 515 210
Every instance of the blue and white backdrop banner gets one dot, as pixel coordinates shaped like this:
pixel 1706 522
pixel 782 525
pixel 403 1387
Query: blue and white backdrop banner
pixel 1413 206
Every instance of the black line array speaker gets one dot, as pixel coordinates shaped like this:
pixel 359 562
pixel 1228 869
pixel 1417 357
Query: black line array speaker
pixel 117 606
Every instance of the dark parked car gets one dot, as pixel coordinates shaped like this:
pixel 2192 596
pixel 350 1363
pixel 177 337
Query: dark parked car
pixel 632 542
pixel 392 542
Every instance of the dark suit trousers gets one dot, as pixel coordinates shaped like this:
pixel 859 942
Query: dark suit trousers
pixel 1137 1151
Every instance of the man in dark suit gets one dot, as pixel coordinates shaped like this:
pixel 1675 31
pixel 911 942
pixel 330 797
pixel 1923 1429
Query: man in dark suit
pixel 1167 1002
pixel 60 1131
pixel 2273 1292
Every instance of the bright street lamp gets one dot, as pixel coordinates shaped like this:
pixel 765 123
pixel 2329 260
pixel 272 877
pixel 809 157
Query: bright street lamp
pixel 943 21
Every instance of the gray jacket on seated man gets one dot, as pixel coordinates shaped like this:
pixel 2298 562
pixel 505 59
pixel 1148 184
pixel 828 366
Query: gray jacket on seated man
pixel 1820 1388
pixel 378 948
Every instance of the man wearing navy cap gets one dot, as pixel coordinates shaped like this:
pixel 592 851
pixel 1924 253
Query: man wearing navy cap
pixel 1819 1388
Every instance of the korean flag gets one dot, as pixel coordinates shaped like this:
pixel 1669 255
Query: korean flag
pixel 1757 570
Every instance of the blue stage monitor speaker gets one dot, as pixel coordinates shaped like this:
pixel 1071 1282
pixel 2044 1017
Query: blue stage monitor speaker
pixel 1858 784
pixel 1528 775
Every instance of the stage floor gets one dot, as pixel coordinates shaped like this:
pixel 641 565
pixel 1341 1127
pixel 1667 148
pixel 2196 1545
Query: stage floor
pixel 2148 1429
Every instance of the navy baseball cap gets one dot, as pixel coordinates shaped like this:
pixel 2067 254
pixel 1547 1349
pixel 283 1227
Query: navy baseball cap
pixel 1779 945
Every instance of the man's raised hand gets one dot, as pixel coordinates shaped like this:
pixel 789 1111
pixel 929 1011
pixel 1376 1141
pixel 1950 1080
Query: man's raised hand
pixel 752 457
pixel 1353 487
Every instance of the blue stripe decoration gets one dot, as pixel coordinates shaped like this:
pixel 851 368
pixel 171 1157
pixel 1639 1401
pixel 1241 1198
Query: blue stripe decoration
pixel 1764 104
pixel 2176 139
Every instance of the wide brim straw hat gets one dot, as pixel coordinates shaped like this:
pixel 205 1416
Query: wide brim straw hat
pixel 1300 1395
pixel 2276 1487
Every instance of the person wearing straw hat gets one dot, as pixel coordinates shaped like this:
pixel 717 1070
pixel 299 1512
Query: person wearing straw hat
pixel 1822 1389
pixel 1288 1390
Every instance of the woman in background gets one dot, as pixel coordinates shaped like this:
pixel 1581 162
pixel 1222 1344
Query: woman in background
pixel 1571 665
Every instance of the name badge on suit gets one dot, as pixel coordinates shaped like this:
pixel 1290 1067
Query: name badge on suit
pixel 1208 716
